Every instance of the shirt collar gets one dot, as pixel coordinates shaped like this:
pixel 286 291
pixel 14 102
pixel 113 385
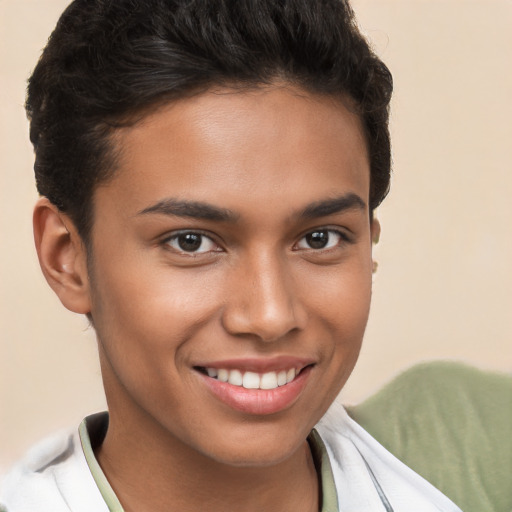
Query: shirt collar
pixel 93 429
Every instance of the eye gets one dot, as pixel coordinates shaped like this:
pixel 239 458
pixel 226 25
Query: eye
pixel 321 239
pixel 191 242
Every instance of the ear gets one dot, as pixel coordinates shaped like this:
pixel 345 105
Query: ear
pixel 375 234
pixel 62 256
pixel 375 231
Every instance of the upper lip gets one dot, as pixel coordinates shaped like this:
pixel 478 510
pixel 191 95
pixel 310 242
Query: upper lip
pixel 259 365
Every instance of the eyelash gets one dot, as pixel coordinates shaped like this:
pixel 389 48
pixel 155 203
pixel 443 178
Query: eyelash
pixel 343 238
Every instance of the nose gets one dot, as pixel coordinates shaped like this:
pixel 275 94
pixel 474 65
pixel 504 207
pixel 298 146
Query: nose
pixel 263 300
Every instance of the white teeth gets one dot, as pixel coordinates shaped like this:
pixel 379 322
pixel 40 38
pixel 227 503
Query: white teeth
pixel 223 375
pixel 253 380
pixel 235 377
pixel 268 381
pixel 281 378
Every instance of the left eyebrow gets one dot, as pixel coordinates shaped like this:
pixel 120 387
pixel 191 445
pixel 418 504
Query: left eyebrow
pixel 332 206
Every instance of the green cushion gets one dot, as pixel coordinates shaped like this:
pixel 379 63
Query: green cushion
pixel 452 424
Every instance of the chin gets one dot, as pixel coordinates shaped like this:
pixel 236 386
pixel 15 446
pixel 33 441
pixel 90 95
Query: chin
pixel 261 447
pixel 255 459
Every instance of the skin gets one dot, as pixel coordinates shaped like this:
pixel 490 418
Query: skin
pixel 256 289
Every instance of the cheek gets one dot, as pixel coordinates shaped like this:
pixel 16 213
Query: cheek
pixel 138 306
pixel 341 295
pixel 144 321
pixel 341 307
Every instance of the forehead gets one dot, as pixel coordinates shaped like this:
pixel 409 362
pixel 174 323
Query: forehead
pixel 257 144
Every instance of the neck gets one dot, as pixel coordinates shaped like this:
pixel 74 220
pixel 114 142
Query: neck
pixel 155 472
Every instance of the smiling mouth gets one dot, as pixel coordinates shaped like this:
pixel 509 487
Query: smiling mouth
pixel 252 380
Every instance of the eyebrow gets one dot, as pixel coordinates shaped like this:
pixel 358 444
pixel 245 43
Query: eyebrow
pixel 331 206
pixel 192 209
pixel 205 211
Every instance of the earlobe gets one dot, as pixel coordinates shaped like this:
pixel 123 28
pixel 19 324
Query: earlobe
pixel 62 256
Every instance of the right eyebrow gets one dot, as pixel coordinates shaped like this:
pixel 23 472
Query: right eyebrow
pixel 191 209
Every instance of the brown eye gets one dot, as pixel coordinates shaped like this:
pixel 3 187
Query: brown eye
pixel 321 239
pixel 191 242
pixel 317 239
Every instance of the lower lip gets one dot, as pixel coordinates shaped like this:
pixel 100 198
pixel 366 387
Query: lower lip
pixel 258 401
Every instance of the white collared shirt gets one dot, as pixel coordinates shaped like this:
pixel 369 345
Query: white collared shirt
pixel 358 474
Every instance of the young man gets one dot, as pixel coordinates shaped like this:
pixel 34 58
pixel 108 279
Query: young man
pixel 209 172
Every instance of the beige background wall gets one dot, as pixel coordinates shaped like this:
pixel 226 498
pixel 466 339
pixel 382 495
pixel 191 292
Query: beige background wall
pixel 444 284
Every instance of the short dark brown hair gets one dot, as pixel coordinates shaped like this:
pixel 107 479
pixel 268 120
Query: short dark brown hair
pixel 110 60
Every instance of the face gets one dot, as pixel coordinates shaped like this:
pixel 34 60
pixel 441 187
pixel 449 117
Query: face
pixel 231 270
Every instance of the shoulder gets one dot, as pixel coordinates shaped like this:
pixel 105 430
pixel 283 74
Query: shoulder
pixel 439 387
pixel 367 472
pixel 29 484
pixel 451 423
pixel 53 476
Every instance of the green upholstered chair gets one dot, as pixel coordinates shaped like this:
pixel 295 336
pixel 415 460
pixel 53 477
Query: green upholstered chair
pixel 452 424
